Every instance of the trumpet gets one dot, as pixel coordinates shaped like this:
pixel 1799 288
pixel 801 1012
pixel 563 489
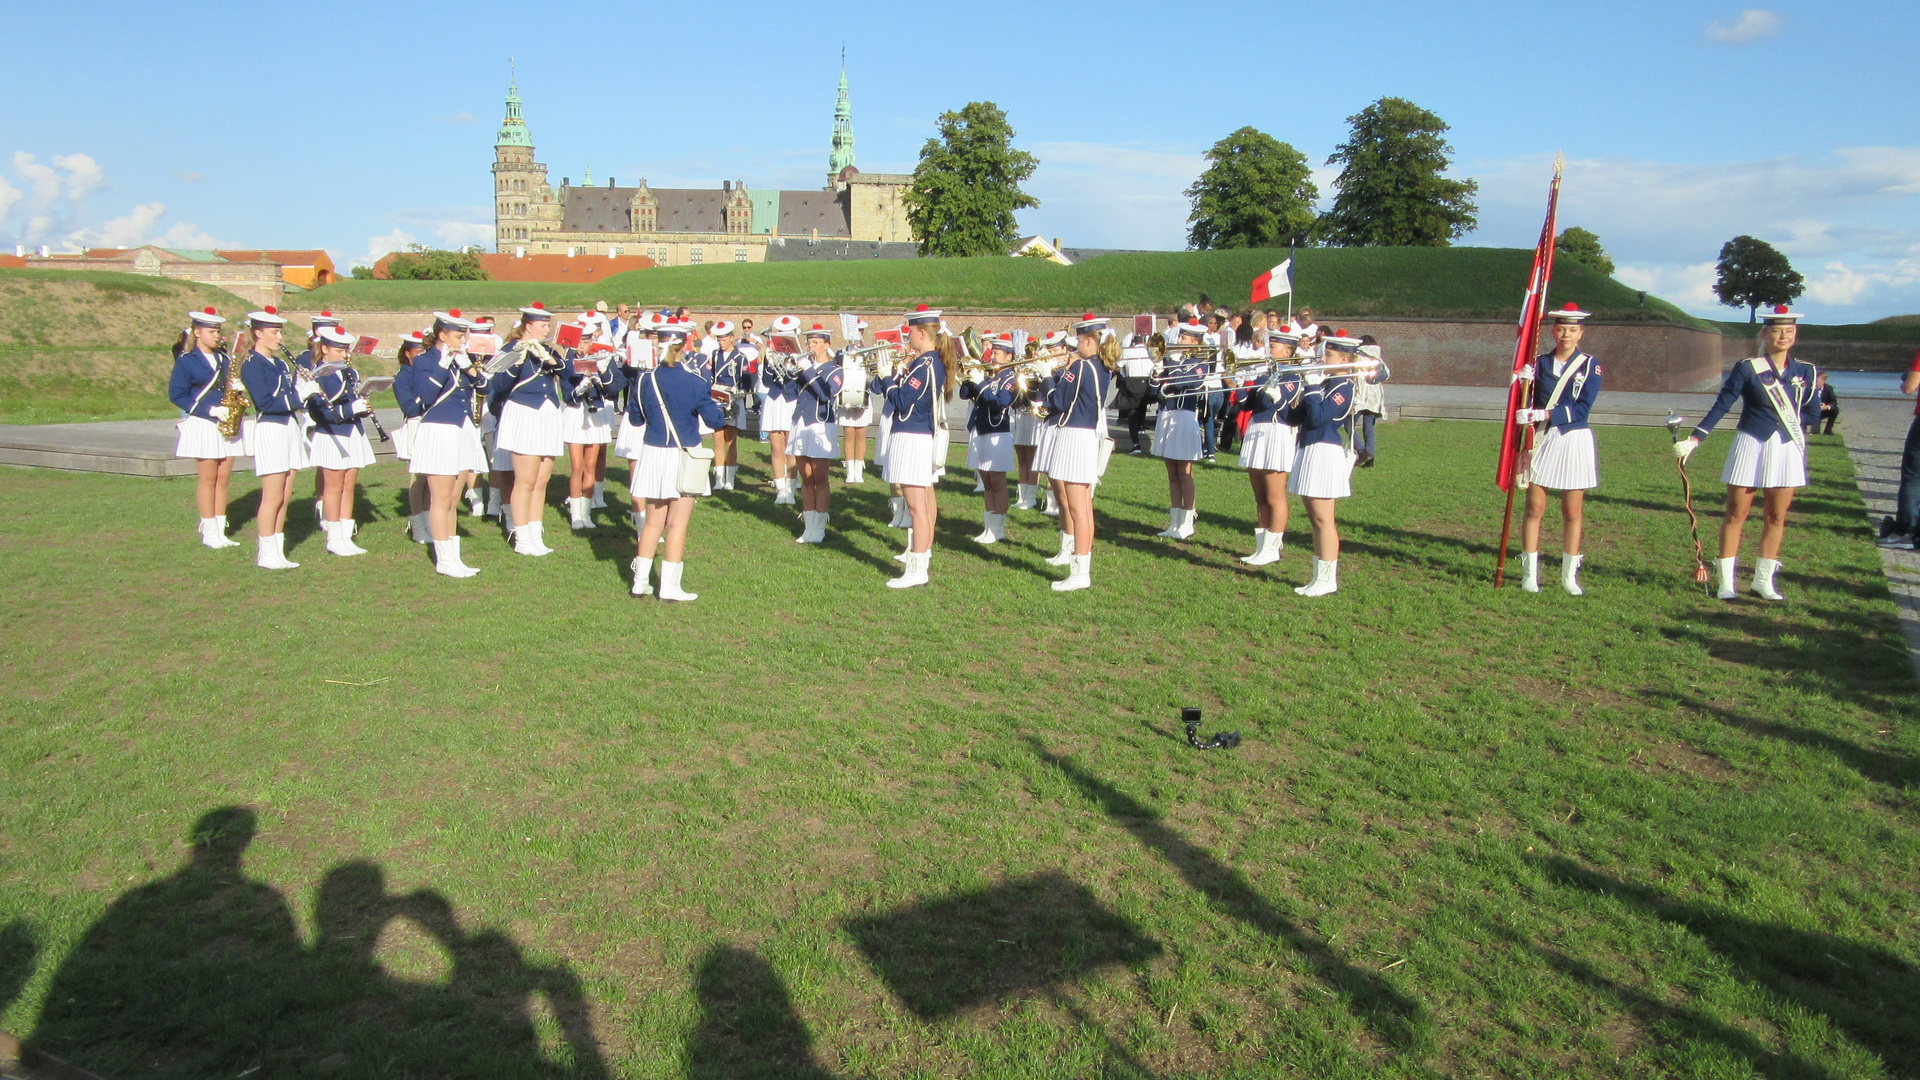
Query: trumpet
pixel 1374 371
pixel 976 371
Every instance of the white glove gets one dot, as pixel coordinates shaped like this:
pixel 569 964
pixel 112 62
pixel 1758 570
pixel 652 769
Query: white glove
pixel 1685 447
pixel 219 412
pixel 361 406
pixel 305 388
pixel 1525 374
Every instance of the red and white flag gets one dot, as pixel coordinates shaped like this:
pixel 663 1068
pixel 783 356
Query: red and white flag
pixel 1275 282
pixel 1526 337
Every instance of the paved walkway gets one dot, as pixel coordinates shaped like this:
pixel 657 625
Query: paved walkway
pixel 1876 432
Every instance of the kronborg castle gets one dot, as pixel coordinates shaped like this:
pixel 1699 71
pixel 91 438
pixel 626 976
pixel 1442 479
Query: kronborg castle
pixel 686 226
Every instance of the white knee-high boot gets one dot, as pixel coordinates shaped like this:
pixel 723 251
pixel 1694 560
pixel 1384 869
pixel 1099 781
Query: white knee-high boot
pixel 1729 570
pixel 1531 560
pixel 642 570
pixel 1326 579
pixel 1269 551
pixel 1763 571
pixel 1065 554
pixel 446 559
pixel 1079 574
pixel 1570 574
pixel 670 582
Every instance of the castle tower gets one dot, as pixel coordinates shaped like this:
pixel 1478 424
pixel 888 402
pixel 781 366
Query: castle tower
pixel 841 158
pixel 523 202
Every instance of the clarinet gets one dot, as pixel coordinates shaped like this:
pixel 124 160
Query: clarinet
pixel 368 415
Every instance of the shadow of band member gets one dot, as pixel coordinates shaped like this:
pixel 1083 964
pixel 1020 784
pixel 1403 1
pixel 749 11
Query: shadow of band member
pixel 748 1029
pixel 194 969
pixel 1401 1020
pixel 1867 991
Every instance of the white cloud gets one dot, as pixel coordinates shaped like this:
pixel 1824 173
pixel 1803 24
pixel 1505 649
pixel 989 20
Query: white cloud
pixel 456 234
pixel 378 246
pixel 45 181
pixel 1753 24
pixel 128 231
pixel 1690 286
pixel 9 195
pixel 83 175
pixel 1841 285
pixel 191 177
pixel 1106 195
pixel 183 235
pixel 459 118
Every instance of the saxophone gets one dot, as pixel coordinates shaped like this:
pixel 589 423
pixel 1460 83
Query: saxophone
pixel 234 399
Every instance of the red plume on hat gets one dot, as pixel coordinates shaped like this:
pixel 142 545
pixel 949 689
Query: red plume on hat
pixel 539 305
pixel 1088 317
pixel 922 307
pixel 210 311
pixel 817 326
pixel 1341 333
pixel 1571 306
pixel 1778 309
pixel 455 312
pixel 271 310
pixel 326 314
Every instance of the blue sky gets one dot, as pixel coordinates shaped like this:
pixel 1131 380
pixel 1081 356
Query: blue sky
pixel 358 126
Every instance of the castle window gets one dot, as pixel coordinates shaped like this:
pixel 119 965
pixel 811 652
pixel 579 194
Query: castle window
pixel 739 254
pixel 696 256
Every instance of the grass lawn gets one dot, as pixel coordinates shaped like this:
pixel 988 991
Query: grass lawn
pixel 525 826
pixel 1462 282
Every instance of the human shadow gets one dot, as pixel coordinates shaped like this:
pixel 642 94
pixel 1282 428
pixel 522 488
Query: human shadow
pixel 1844 658
pixel 243 510
pixel 1865 991
pixel 1395 1017
pixel 203 973
pixel 1896 771
pixel 747 1027
pixel 19 952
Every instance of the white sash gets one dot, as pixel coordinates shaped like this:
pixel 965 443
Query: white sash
pixel 1776 391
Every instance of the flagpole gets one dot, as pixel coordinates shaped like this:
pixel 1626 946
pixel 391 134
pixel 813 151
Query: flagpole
pixel 1289 281
pixel 1516 443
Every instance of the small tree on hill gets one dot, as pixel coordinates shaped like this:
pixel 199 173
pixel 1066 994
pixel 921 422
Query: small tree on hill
pixel 1752 273
pixel 419 263
pixel 1257 192
pixel 967 185
pixel 1391 193
pixel 1583 247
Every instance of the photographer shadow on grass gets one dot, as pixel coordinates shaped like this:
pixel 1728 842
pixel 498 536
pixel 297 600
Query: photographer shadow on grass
pixel 204 973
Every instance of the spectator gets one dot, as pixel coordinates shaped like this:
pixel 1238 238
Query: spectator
pixel 1829 403
pixel 1897 531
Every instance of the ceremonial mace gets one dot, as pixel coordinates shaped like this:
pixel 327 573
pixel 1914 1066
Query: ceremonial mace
pixel 1700 576
pixel 1221 740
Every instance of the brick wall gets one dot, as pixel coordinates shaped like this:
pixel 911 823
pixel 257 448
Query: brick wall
pixel 1831 355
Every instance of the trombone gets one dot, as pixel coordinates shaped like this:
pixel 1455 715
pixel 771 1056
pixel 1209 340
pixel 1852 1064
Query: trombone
pixel 1374 371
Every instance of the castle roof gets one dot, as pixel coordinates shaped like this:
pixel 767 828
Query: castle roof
pixel 698 210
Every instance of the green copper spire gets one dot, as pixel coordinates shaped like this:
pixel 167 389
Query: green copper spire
pixel 513 130
pixel 842 155
pixel 586 178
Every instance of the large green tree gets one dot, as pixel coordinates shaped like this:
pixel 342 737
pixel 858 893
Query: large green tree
pixel 1752 272
pixel 1390 189
pixel 967 185
pixel 1583 246
pixel 1257 192
pixel 420 263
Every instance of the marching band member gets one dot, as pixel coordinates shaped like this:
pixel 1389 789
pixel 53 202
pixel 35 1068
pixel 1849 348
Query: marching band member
pixel 448 444
pixel 1077 413
pixel 1177 438
pixel 586 427
pixel 1136 390
pixel 779 375
pixel 201 372
pixel 1566 383
pixel 671 399
pixel 531 426
pixel 877 397
pixel 1027 430
pixel 337 446
pixel 278 450
pixel 731 379
pixel 816 436
pixel 470 487
pixel 303 365
pixel 1268 448
pixel 854 419
pixel 1769 453
pixel 914 397
pixel 990 435
pixel 411 346
pixel 1321 468
pixel 630 441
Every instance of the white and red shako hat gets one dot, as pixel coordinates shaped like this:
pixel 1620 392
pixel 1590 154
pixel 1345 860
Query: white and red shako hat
pixel 1090 324
pixel 1571 313
pixel 268 316
pixel 1340 341
pixel 821 332
pixel 535 310
pixel 325 318
pixel 206 317
pixel 1004 343
pixel 923 315
pixel 333 335
pixel 450 320
pixel 1780 313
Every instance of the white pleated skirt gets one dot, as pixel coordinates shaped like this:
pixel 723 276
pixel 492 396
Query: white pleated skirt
pixel 1566 461
pixel 1043 448
pixel 446 450
pixel 1772 464
pixel 527 430
pixel 942 442
pixel 883 435
pixel 814 441
pixel 278 448
pixel 349 451
pixel 991 452
pixel 1176 435
pixel 777 415
pixel 403 438
pixel 631 439
pixel 1272 445
pixel 656 474
pixel 1321 471
pixel 1026 428
pixel 202 439
pixel 909 459
pixel 1073 454
pixel 862 417
pixel 579 424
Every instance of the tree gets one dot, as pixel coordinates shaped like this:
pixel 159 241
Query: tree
pixel 1391 193
pixel 419 263
pixel 1583 247
pixel 363 273
pixel 1752 273
pixel 967 185
pixel 1257 192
